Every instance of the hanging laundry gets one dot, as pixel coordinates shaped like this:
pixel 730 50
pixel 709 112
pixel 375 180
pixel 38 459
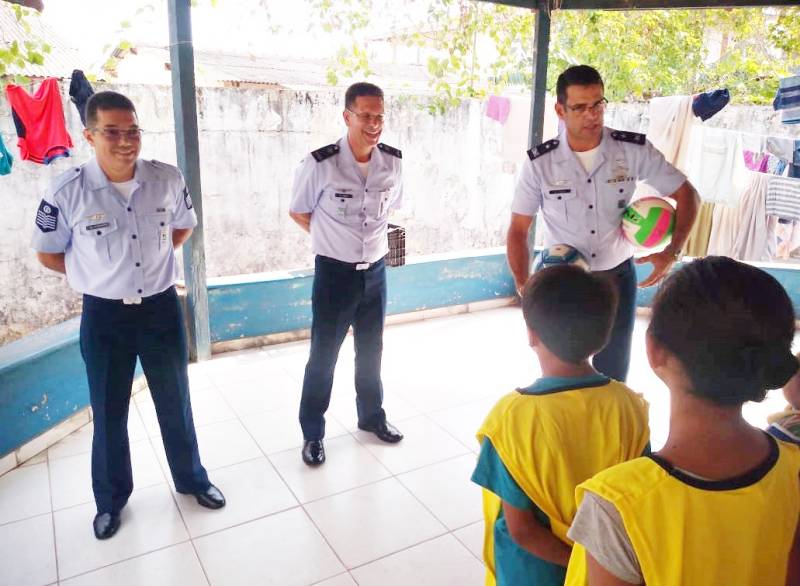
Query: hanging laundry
pixel 497 108
pixel 755 238
pixel 670 127
pixel 756 161
pixel 6 160
pixel 80 90
pixel 783 198
pixel 794 168
pixel 39 120
pixel 716 164
pixel 707 104
pixel 697 244
pixel 787 99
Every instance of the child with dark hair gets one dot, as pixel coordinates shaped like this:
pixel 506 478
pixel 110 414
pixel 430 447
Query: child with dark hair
pixel 719 503
pixel 786 424
pixel 539 442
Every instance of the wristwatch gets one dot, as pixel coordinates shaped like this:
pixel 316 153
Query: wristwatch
pixel 677 255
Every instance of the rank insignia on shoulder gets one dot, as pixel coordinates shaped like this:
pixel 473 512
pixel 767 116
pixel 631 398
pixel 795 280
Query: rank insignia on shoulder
pixel 47 217
pixel 187 199
pixel 325 152
pixel 632 137
pixel 390 150
pixel 542 149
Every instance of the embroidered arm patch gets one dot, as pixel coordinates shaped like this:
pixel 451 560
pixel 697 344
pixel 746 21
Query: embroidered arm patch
pixel 47 217
pixel 187 199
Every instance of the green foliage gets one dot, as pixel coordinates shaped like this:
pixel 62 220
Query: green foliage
pixel 640 53
pixel 32 51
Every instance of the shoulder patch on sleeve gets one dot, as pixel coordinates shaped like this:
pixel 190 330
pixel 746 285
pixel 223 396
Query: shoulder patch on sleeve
pixel 543 149
pixel 325 152
pixel 187 199
pixel 390 150
pixel 47 217
pixel 632 137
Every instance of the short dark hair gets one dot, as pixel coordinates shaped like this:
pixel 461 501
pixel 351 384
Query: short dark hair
pixel 362 88
pixel 106 101
pixel 571 310
pixel 576 75
pixel 730 325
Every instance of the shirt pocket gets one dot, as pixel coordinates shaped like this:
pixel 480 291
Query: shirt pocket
pixel 383 202
pixel 615 195
pixel 99 239
pixel 560 203
pixel 157 232
pixel 339 203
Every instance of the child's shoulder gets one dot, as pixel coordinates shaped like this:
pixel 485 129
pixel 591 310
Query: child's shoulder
pixel 785 425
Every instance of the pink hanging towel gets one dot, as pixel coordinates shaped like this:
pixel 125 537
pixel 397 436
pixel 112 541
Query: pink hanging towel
pixel 498 108
pixel 39 119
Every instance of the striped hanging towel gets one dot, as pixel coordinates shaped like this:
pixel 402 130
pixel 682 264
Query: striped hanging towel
pixel 783 198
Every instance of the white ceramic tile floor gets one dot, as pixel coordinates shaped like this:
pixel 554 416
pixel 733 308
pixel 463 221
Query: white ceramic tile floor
pixel 373 514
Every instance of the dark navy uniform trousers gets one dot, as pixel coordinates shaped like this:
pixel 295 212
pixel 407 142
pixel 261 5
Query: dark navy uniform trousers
pixel 343 296
pixel 112 336
pixel 614 360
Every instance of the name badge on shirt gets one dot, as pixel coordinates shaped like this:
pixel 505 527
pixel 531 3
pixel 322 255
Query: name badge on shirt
pixel 98 226
pixel 343 195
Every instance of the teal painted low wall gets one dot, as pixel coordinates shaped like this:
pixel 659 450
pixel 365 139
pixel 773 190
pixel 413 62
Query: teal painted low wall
pixel 42 377
pixel 272 303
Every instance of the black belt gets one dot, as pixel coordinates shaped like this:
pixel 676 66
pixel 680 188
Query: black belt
pixel 132 300
pixel 355 266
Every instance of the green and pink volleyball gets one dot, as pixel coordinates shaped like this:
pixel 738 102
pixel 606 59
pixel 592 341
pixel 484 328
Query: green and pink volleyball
pixel 648 222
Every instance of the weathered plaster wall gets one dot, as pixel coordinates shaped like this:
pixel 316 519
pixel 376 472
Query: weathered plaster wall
pixel 458 186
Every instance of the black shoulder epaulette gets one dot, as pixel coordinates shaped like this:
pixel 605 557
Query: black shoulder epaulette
pixel 325 152
pixel 390 150
pixel 543 148
pixel 633 137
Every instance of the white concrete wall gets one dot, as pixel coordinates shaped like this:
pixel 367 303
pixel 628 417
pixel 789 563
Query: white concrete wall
pixel 458 181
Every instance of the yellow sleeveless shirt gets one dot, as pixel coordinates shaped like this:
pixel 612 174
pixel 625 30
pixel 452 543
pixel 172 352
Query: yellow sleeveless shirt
pixel 687 531
pixel 553 441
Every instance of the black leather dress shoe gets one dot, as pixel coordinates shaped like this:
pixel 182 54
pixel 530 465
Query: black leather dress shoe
pixel 210 498
pixel 385 431
pixel 105 525
pixel 313 452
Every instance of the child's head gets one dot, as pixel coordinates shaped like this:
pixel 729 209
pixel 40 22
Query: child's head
pixel 730 326
pixel 570 310
pixel 791 390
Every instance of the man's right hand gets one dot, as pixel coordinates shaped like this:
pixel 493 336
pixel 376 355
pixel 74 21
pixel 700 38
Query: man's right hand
pixel 517 249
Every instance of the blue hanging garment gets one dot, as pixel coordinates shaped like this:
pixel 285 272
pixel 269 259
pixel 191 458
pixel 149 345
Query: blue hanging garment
pixel 6 160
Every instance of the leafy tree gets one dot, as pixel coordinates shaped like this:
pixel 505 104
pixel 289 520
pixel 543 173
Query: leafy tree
pixel 640 53
pixel 33 50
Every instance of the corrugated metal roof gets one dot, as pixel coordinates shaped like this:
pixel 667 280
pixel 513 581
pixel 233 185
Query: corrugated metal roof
pixel 212 68
pixel 59 62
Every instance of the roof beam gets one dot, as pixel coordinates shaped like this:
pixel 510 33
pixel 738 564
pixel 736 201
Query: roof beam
pixel 644 4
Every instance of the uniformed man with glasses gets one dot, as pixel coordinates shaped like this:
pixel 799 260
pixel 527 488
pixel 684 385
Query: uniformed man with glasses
pixel 342 195
pixel 581 183
pixel 111 225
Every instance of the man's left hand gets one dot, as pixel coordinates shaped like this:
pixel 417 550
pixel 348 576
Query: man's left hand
pixel 662 262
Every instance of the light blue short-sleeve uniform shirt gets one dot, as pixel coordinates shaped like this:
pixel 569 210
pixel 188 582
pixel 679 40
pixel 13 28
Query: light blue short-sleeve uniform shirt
pixel 585 209
pixel 114 248
pixel 349 213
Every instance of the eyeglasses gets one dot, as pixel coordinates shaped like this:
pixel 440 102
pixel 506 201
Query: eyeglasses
pixel 596 108
pixel 116 134
pixel 365 118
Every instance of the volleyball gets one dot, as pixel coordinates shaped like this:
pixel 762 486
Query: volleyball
pixel 560 254
pixel 648 222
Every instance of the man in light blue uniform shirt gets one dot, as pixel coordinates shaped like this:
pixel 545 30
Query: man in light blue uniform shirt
pixel 581 184
pixel 342 195
pixel 111 225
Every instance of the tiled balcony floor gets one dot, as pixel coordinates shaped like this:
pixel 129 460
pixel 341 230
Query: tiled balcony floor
pixel 374 514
